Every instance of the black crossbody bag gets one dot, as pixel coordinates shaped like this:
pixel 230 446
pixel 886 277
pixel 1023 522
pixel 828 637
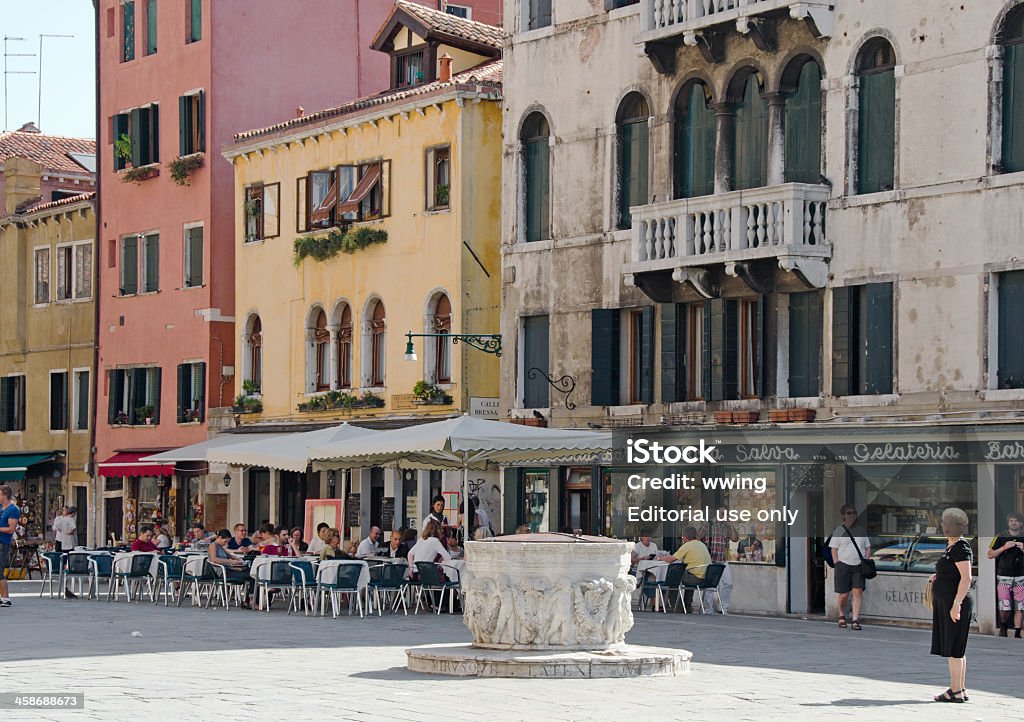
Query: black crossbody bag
pixel 867 566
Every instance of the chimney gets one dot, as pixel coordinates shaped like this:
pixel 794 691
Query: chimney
pixel 300 111
pixel 21 177
pixel 445 73
pixel 29 127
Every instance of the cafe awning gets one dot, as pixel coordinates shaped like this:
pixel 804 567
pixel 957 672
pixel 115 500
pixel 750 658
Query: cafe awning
pixel 14 467
pixel 129 463
pixel 197 452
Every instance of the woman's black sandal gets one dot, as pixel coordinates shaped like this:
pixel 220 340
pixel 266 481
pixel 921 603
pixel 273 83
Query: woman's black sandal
pixel 856 625
pixel 950 696
pixel 842 622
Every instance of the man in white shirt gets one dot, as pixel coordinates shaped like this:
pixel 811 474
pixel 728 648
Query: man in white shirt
pixel 846 540
pixel 645 548
pixel 65 528
pixel 368 546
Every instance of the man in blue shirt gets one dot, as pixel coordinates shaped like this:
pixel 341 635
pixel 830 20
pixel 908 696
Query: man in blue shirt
pixel 9 515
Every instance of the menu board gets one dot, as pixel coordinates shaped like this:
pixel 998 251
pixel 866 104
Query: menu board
pixel 387 514
pixel 352 510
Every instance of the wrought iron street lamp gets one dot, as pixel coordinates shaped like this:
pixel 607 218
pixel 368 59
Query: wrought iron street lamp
pixel 486 342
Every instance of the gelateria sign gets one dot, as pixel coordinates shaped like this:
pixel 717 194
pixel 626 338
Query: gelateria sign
pixel 894 452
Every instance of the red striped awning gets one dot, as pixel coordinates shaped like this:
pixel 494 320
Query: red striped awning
pixel 126 463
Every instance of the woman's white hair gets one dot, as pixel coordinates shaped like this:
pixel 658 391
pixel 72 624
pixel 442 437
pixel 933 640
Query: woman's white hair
pixel 956 516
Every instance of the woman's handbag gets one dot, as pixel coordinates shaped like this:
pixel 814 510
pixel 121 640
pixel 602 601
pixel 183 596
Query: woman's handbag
pixel 867 566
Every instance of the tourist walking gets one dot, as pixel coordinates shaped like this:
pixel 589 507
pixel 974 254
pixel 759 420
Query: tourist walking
pixel 9 516
pixel 952 605
pixel 1008 551
pixel 850 546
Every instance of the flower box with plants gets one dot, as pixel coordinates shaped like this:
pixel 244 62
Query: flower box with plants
pixel 247 405
pixel 144 414
pixel 340 240
pixel 250 387
pixel 181 167
pixel 123 150
pixel 121 419
pixel 191 415
pixel 330 400
pixel 427 393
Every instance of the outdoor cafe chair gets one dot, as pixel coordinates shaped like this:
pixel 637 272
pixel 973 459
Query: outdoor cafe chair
pixel 52 568
pixel 653 588
pixel 226 587
pixel 388 579
pixel 347 577
pixel 303 591
pixel 138 570
pixel 712 577
pixel 86 565
pixel 169 571
pixel 195 578
pixel 432 579
pixel 279 577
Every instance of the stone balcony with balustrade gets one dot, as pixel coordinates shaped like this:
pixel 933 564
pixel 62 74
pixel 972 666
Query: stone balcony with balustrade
pixel 783 223
pixel 701 23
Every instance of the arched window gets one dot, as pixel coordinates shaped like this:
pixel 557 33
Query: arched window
pixel 345 348
pixel 803 124
pixel 750 138
pixel 322 342
pixel 378 348
pixel 441 322
pixel 1013 91
pixel 536 178
pixel 632 140
pixel 694 161
pixel 254 353
pixel 876 120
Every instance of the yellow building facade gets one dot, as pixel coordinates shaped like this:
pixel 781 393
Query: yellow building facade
pixel 47 341
pixel 360 224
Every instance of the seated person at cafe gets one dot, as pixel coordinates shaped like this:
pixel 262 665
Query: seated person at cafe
pixel 333 549
pixel 408 542
pixel 750 547
pixel 695 555
pixel 160 537
pixel 240 540
pixel 368 546
pixel 198 537
pixel 429 548
pixel 317 543
pixel 645 548
pixel 297 541
pixel 395 545
pixel 270 543
pixel 454 549
pixel 145 541
pixel 236 569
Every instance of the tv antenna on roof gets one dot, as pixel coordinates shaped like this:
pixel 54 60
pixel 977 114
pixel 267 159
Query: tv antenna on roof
pixel 7 72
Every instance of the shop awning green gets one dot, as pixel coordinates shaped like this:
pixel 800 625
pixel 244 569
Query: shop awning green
pixel 13 467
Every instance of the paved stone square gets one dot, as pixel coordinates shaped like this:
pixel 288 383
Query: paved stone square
pixel 239 665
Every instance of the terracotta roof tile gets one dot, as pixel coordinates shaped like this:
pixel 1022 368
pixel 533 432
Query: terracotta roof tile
pixel 485 74
pixel 36 205
pixel 452 25
pixel 50 151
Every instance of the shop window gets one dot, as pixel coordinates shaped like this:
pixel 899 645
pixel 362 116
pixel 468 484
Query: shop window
pixel 536 500
pixel 345 338
pixel 254 353
pixel 536 363
pixel 1013 92
pixel 633 156
pixel 12 403
pixel 82 391
pixel 134 396
pixel 1010 331
pixel 694 156
pixel 193 257
pixel 59 401
pixel 191 392
pixel 805 342
pixel 127 30
pixel 753 490
pixel 438 178
pixel 876 121
pixel 150 500
pixel 803 127
pixel 151 17
pixel 750 137
pixel 536 195
pixel 42 275
pixel 192 123
pixel 862 339
pixel 195 20
pixel 262 219
pixel 539 14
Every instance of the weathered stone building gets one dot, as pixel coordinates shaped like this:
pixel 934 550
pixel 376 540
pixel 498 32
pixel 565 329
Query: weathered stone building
pixel 726 216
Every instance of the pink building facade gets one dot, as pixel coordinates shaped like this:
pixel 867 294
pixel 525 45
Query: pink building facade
pixel 177 80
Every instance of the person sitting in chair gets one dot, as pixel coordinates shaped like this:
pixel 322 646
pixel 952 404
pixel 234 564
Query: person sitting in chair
pixel 235 568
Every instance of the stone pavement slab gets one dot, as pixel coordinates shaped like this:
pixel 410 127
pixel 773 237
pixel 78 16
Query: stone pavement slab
pixel 239 665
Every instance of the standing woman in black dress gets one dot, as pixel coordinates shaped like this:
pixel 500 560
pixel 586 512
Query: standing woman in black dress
pixel 951 605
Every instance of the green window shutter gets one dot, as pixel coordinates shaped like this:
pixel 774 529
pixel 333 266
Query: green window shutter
pixel 138 137
pixel 136 392
pixel 536 392
pixel 128 28
pixel 5 404
pixel 120 127
pixel 183 391
pixel 195 21
pixel 715 332
pixel 57 405
pixel 1010 330
pixel 199 388
pixel 876 135
pixel 695 145
pixel 750 144
pixel 538 222
pixel 673 352
pixel 877 346
pixel 632 180
pixel 201 119
pixel 154 379
pixel 512 494
pixel 707 376
pixel 195 256
pixel 730 345
pixel 842 337
pixel 647 355
pixel 151 248
pixel 154 134
pixel 151 17
pixel 604 356
pixel 805 331
pixel 129 265
pixel 184 131
pixel 803 128
pixel 1013 108
pixel 114 381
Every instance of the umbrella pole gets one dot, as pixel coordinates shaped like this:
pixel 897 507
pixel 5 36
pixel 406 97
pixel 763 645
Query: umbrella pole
pixel 465 502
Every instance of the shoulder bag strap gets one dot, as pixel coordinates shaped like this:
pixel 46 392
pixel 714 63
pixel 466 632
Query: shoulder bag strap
pixel 854 542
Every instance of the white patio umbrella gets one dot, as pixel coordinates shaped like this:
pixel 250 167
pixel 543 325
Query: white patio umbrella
pixel 461 443
pixel 288 452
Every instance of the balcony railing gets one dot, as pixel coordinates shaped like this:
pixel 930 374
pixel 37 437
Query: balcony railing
pixel 784 221
pixel 663 18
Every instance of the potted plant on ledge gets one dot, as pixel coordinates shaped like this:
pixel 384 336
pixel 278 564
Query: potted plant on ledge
pixel 427 393
pixel 121 419
pixel 145 414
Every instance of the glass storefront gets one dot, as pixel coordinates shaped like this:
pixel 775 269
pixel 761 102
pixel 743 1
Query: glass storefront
pixel 536 499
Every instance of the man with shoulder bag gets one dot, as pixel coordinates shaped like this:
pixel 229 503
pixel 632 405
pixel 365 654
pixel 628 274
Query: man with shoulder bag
pixel 850 550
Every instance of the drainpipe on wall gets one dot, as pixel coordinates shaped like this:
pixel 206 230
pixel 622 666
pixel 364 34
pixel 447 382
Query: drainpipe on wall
pixel 97 215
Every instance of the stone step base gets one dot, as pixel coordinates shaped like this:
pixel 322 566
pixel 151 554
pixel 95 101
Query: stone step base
pixel 465 660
